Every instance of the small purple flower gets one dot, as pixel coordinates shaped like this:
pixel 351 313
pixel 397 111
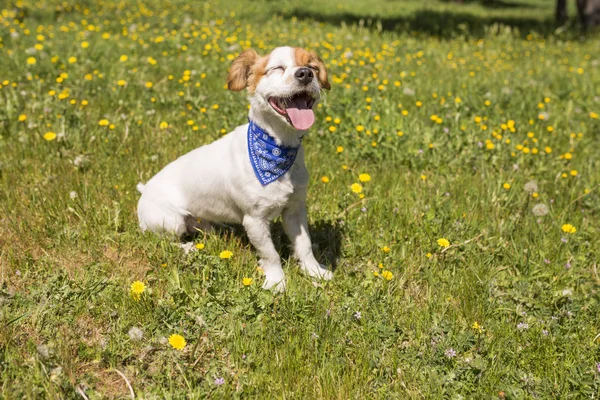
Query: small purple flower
pixel 598 367
pixel 544 332
pixel 522 326
pixel 480 144
pixel 546 261
pixel 420 151
pixel 357 315
pixel 243 356
pixel 446 130
pixel 364 209
pixel 450 353
pixel 568 265
pixel 327 312
pixel 219 381
pixel 564 240
pixel 315 336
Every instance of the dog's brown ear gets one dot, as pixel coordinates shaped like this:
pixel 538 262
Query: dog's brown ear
pixel 322 75
pixel 240 70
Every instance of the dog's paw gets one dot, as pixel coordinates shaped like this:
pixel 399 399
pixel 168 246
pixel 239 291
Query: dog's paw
pixel 275 285
pixel 317 271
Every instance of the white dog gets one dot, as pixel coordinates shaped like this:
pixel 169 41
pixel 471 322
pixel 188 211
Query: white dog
pixel 256 172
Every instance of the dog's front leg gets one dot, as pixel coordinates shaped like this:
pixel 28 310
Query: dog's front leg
pixel 259 233
pixel 295 224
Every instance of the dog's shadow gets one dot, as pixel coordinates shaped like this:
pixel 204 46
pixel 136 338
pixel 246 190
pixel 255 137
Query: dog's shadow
pixel 326 238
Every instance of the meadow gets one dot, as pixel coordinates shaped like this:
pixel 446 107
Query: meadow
pixel 455 172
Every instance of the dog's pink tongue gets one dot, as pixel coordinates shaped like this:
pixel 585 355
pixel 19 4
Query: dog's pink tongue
pixel 300 114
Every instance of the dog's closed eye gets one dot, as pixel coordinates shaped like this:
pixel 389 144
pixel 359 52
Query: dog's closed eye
pixel 279 68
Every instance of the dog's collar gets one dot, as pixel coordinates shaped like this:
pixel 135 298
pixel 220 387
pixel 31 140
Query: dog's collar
pixel 269 160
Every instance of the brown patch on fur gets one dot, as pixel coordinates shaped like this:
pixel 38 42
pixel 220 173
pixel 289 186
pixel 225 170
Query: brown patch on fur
pixel 246 71
pixel 305 58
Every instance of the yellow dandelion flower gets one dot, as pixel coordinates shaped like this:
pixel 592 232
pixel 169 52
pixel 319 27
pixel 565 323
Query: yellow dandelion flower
pixel 103 122
pixel 247 281
pixel 324 179
pixel 163 125
pixel 226 254
pixel 136 290
pixel 200 246
pixel 387 275
pixel 593 115
pixel 443 242
pixel 177 341
pixel 31 60
pixel 356 187
pixel 22 117
pixel 364 177
pixel 476 327
pixel 360 128
pixel 574 172
pixel 428 255
pixel 423 177
pixel 72 60
pixel 386 249
pixel 49 136
pixel 339 149
pixel 506 186
pixel 149 84
pixel 568 228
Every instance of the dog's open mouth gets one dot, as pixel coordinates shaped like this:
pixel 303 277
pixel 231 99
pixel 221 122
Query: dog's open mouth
pixel 297 109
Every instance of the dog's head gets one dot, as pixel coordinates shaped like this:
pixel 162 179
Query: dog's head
pixel 285 83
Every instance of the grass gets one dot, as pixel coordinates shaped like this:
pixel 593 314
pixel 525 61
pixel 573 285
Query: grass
pixel 450 109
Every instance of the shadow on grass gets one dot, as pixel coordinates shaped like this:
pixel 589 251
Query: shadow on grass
pixel 498 4
pixel 438 23
pixel 326 237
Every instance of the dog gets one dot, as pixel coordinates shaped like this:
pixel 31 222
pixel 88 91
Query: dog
pixel 254 173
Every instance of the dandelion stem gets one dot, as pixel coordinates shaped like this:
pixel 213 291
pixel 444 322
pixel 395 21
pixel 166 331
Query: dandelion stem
pixel 577 199
pixel 127 382
pixel 465 242
pixel 351 206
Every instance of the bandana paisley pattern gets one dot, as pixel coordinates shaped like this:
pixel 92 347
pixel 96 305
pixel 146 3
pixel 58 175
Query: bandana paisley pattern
pixel 268 160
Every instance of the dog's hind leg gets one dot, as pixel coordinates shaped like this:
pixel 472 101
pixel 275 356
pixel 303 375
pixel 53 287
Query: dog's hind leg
pixel 161 217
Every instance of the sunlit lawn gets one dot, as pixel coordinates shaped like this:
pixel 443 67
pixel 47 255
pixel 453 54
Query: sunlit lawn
pixel 455 189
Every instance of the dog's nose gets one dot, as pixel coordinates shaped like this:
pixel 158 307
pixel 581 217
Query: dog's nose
pixel 304 75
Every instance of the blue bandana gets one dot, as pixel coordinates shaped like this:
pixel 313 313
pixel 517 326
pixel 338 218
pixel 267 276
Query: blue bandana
pixel 268 160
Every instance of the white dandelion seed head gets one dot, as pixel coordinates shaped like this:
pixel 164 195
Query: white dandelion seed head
pixel 540 210
pixel 135 333
pixel 531 187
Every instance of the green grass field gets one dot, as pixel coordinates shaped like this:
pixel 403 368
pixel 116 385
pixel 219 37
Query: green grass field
pixel 477 124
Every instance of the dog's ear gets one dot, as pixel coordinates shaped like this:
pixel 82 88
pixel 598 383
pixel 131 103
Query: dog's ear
pixel 240 70
pixel 322 75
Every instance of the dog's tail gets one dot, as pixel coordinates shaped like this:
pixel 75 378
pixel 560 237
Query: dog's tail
pixel 140 187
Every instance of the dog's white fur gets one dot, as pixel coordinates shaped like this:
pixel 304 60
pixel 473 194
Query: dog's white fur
pixel 216 182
